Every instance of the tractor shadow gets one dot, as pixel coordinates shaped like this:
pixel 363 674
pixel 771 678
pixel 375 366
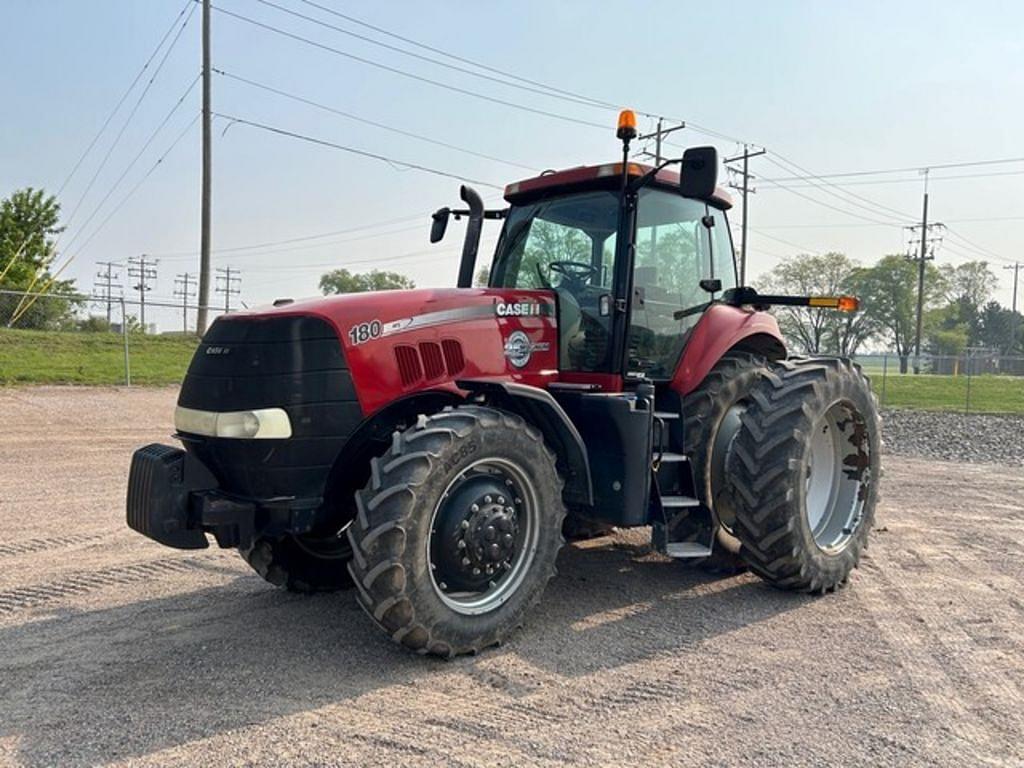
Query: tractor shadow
pixel 90 686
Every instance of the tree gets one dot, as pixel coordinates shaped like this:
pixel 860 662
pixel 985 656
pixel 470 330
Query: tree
pixel 819 331
pixel 343 281
pixel 967 288
pixel 997 325
pixel 888 293
pixel 29 222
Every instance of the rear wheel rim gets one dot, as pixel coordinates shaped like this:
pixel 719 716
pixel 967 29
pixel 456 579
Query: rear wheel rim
pixel 489 502
pixel 835 472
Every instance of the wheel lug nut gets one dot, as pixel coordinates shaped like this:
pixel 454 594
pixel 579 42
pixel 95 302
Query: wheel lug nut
pixel 507 539
pixel 501 499
pixel 461 544
pixel 474 508
pixel 508 483
pixel 487 500
pixel 465 524
pixel 495 551
pixel 465 561
pixel 442 585
pixel 476 571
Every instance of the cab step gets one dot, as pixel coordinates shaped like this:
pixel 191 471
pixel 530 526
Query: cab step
pixel 679 501
pixel 668 457
pixel 686 549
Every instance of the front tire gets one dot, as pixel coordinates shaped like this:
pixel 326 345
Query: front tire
pixel 804 473
pixel 302 563
pixel 457 531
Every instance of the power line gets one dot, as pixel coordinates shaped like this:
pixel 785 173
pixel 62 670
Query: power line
pixel 851 198
pixel 405 73
pixel 541 91
pixel 135 188
pixel 911 169
pixel 128 119
pixel 464 60
pixel 383 158
pixel 134 160
pixel 366 121
pixel 123 98
pixel 916 180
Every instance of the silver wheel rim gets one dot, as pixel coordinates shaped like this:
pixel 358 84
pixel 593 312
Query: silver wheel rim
pixel 524 499
pixel 835 476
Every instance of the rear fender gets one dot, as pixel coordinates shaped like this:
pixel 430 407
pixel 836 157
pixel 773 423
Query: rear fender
pixel 721 329
pixel 539 408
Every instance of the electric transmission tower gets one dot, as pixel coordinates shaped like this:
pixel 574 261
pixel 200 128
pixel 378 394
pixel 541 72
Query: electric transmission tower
pixel 746 189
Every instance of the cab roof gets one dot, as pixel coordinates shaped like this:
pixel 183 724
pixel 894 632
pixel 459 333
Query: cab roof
pixel 606 176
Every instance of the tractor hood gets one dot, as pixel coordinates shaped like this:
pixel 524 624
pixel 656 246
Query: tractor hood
pixel 397 343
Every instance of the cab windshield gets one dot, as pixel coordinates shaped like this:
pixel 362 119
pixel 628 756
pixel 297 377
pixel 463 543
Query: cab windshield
pixel 567 244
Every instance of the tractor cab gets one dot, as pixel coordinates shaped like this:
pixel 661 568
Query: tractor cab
pixel 621 310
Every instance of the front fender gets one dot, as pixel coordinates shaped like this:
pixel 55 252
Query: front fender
pixel 722 328
pixel 539 408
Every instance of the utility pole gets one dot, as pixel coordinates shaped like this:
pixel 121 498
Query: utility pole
pixel 745 173
pixel 144 269
pixel 1013 318
pixel 204 226
pixel 924 255
pixel 657 135
pixel 184 286
pixel 107 284
pixel 229 276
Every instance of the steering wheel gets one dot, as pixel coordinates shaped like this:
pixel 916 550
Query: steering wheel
pixel 575 271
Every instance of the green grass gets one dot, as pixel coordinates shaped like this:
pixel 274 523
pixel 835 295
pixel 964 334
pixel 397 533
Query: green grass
pixel 55 357
pixel 930 392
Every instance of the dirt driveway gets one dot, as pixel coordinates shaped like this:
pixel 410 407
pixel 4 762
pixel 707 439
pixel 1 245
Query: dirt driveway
pixel 115 650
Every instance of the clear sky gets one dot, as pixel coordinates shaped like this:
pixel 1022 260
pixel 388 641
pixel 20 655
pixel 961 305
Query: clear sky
pixel 831 87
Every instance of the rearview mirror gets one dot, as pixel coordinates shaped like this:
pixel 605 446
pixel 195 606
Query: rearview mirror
pixel 698 176
pixel 439 224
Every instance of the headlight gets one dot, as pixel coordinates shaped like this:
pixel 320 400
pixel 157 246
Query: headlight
pixel 259 424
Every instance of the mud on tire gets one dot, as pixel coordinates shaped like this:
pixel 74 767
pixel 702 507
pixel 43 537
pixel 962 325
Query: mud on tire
pixel 392 534
pixel 780 472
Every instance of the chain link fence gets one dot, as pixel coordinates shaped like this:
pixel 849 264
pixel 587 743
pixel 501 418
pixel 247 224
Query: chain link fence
pixel 976 381
pixel 83 338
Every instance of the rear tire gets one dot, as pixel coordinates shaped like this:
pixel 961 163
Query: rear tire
pixel 717 401
pixel 443 562
pixel 804 473
pixel 302 564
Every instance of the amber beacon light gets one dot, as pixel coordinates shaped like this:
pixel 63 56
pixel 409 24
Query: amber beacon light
pixel 627 125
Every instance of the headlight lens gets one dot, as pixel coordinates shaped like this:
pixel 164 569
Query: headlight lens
pixel 259 424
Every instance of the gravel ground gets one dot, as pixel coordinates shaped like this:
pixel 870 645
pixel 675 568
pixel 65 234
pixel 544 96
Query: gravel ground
pixel 955 436
pixel 116 651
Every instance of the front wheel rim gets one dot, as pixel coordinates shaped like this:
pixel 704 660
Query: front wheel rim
pixel 474 568
pixel 836 477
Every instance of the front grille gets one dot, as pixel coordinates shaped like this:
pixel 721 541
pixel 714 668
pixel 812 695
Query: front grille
pixel 295 363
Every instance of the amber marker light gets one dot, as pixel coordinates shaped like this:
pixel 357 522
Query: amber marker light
pixel 627 125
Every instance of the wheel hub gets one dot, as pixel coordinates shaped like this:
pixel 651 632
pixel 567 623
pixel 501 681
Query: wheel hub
pixel 477 529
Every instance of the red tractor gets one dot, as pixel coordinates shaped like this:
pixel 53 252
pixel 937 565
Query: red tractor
pixel 429 447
